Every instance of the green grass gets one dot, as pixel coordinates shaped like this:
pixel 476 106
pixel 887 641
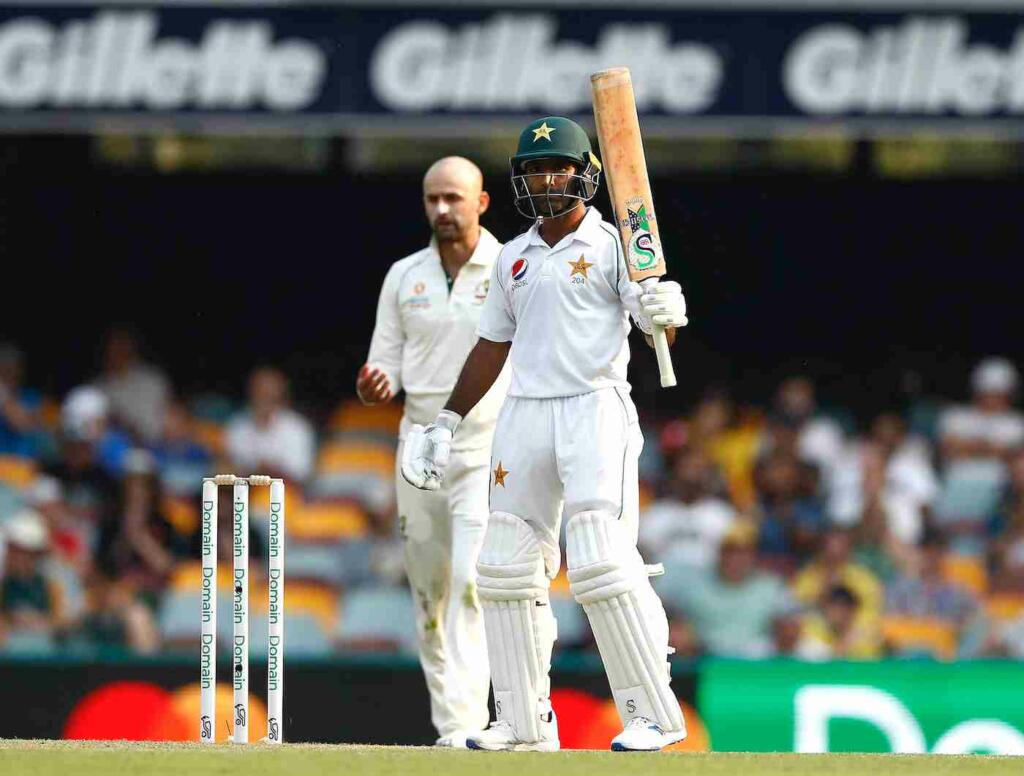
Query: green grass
pixel 65 758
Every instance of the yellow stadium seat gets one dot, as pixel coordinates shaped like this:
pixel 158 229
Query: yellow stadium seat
pixel 353 415
pixel 921 633
pixel 560 584
pixel 968 572
pixel 1005 607
pixel 301 597
pixel 326 521
pixel 210 435
pixel 182 513
pixel 338 457
pixel 187 576
pixel 17 471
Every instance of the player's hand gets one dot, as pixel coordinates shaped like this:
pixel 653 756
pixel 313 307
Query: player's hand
pixel 372 386
pixel 427 450
pixel 663 304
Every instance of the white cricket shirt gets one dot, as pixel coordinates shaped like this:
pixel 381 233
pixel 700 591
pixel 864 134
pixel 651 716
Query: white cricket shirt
pixel 424 333
pixel 565 309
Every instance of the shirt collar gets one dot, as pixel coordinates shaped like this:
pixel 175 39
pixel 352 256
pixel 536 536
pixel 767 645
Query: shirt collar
pixel 483 254
pixel 588 232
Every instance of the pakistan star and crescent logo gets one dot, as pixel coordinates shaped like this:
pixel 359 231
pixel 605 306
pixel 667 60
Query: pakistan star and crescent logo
pixel 500 475
pixel 543 131
pixel 580 267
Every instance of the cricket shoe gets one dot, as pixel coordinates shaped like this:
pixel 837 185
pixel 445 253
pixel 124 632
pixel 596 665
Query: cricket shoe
pixel 454 740
pixel 501 737
pixel 645 735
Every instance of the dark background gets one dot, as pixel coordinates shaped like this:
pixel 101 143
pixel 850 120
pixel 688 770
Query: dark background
pixel 860 281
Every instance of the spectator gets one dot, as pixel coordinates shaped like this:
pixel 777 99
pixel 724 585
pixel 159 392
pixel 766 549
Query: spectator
pixel 836 630
pixel 832 566
pixel 927 595
pixel 138 392
pixel 116 618
pixel 90 490
pixel 30 599
pixel 20 429
pixel 819 440
pixel 733 610
pixel 270 438
pixel 85 418
pixel 182 461
pixel 1006 549
pixel 976 441
pixel 686 527
pixel 790 519
pixel 989 427
pixel 137 543
pixel 902 480
pixel 71 539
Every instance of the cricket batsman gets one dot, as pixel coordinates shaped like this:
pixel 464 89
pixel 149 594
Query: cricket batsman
pixel 566 446
pixel 427 317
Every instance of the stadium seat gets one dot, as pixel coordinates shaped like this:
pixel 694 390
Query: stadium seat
pixel 303 636
pixel 920 636
pixel 368 488
pixel 379 618
pixel 17 471
pixel 1005 607
pixel 360 456
pixel 210 435
pixel 28 643
pixel 182 514
pixel 353 415
pixel 967 571
pixel 301 597
pixel 326 521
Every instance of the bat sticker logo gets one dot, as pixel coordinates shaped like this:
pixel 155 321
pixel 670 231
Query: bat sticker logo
pixel 643 250
pixel 519 269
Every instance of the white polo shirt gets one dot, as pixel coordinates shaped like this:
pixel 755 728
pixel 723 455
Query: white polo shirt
pixel 424 333
pixel 564 309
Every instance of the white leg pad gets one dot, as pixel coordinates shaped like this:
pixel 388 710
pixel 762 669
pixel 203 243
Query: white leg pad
pixel 520 628
pixel 608 577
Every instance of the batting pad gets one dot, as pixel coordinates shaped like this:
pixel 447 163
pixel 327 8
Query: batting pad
pixel 520 628
pixel 608 577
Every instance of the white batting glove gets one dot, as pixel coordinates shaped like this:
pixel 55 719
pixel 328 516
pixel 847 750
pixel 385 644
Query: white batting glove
pixel 427 450
pixel 662 304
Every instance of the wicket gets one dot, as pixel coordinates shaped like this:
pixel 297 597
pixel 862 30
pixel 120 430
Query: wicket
pixel 240 608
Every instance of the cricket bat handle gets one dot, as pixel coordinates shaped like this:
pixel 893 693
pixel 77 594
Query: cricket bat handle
pixel 668 373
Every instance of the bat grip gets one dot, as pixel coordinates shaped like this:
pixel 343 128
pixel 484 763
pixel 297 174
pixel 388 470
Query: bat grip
pixel 668 374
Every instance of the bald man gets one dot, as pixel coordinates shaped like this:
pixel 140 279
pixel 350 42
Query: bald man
pixel 426 325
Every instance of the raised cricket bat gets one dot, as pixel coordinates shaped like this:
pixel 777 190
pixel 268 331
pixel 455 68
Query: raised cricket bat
pixel 625 169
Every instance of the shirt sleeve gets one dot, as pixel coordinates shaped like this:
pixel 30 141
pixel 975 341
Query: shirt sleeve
pixel 628 290
pixel 388 339
pixel 497 321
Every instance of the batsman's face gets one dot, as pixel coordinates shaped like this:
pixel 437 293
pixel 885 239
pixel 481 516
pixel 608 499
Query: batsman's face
pixel 550 178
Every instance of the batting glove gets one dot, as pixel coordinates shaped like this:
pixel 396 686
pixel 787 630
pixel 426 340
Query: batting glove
pixel 662 304
pixel 427 450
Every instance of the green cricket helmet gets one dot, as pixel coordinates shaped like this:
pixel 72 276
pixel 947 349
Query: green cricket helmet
pixel 559 138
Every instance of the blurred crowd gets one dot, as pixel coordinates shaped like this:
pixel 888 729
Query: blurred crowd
pixel 785 529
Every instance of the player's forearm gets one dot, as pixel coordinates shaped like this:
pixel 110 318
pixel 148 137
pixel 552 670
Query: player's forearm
pixel 481 369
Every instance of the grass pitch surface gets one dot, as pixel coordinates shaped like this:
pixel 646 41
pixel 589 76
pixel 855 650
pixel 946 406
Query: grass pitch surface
pixel 65 758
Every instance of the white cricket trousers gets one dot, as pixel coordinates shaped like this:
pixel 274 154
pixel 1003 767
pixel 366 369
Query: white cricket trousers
pixel 443 531
pixel 554 458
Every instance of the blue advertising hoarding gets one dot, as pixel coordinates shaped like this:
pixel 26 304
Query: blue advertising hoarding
pixel 390 68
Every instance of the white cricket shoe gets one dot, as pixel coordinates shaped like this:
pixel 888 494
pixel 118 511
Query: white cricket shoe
pixel 500 737
pixel 645 735
pixel 454 740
